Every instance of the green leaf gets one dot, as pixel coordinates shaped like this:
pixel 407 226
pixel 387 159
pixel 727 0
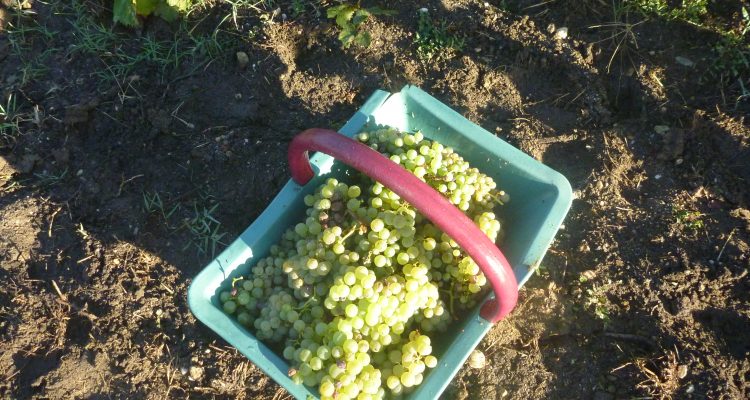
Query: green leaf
pixel 346 36
pixel 363 39
pixel 360 16
pixel 334 11
pixel 345 16
pixel 123 12
pixel 166 12
pixel 180 5
pixel 145 7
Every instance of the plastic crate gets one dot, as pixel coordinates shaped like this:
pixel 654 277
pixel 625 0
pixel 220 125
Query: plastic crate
pixel 540 199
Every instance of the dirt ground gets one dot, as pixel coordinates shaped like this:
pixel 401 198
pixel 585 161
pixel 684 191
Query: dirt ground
pixel 124 175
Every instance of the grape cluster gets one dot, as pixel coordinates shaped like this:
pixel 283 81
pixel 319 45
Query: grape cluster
pixel 352 292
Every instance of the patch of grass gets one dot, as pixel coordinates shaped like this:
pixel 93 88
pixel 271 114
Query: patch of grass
pixel 732 60
pixel 620 30
pixel 48 179
pixel 205 230
pixel 433 39
pixel 23 33
pixel 122 55
pixel 688 219
pixel 9 120
pixel 153 204
pixel 690 11
pixel 298 8
pixel 90 36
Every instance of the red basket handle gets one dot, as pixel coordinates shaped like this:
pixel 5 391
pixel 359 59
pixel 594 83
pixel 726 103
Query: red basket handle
pixel 423 197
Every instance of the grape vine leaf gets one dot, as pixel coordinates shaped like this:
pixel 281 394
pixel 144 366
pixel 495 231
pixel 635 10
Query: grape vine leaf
pixel 124 13
pixel 145 7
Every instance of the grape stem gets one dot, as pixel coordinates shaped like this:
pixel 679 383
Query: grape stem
pixel 234 280
pixel 497 200
pixel 354 227
pixel 450 297
pixel 303 307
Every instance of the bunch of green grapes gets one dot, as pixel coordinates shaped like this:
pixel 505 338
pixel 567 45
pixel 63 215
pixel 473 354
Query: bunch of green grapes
pixel 352 293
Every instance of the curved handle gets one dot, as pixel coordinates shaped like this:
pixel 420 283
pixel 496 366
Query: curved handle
pixel 423 197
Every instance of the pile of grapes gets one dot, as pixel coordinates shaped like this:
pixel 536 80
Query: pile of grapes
pixel 352 293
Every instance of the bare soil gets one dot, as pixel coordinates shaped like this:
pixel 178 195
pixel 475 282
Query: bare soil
pixel 644 294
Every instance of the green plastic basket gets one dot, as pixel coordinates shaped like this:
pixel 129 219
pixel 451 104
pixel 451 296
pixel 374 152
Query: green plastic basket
pixel 540 199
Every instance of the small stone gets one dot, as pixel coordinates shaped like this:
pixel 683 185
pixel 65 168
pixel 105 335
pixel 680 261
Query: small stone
pixel 690 389
pixel 551 28
pixel 682 371
pixel 195 373
pixel 477 360
pixel 561 33
pixel 657 176
pixel 242 59
pixel 661 129
pixel 684 61
pixel 588 275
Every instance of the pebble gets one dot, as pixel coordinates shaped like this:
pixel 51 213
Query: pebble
pixel 477 360
pixel 684 61
pixel 195 373
pixel 589 274
pixel 682 371
pixel 561 33
pixel 690 389
pixel 242 59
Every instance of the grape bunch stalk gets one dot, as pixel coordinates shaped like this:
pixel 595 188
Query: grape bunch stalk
pixel 351 294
